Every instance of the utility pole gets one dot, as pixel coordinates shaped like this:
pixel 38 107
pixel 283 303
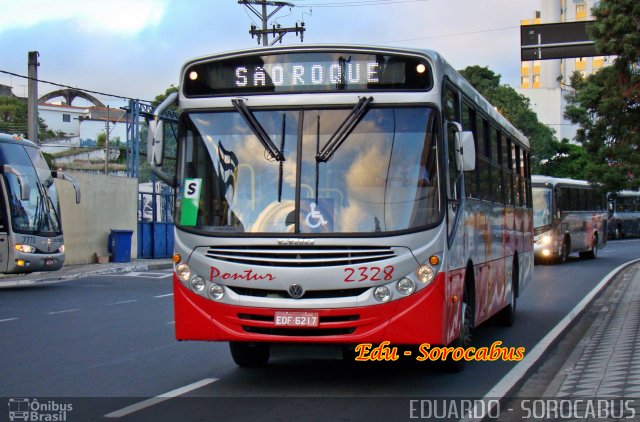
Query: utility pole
pixel 32 101
pixel 106 145
pixel 277 31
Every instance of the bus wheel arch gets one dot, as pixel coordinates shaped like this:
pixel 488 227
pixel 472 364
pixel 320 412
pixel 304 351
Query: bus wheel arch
pixel 565 249
pixel 466 318
pixel 506 316
pixel 593 252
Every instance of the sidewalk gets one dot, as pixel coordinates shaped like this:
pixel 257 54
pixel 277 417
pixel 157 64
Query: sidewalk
pixel 77 271
pixel 606 363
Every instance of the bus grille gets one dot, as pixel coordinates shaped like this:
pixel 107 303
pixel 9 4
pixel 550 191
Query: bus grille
pixel 309 294
pixel 296 257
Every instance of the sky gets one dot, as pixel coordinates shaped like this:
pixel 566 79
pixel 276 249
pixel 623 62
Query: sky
pixel 135 48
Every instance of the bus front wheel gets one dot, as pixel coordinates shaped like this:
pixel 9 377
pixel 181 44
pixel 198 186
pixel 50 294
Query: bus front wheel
pixel 464 337
pixel 249 355
pixel 593 253
pixel 564 251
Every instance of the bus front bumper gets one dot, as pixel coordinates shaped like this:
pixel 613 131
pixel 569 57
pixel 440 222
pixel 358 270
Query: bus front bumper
pixel 416 319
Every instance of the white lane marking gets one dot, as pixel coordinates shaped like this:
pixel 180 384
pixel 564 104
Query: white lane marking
pixel 159 399
pixel 508 382
pixel 167 295
pixel 147 274
pixel 121 303
pixel 9 319
pixel 64 311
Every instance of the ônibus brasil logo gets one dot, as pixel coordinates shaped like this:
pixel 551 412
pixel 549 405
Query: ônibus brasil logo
pixel 33 410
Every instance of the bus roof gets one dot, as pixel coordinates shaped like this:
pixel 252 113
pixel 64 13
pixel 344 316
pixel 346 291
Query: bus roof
pixel 626 193
pixel 15 139
pixel 554 181
pixel 441 69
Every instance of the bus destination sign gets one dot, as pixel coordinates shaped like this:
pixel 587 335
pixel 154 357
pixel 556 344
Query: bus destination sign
pixel 306 72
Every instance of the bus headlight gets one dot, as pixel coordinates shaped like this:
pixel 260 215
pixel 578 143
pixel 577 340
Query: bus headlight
pixel 61 249
pixel 406 286
pixel 24 248
pixel 382 294
pixel 216 292
pixel 425 273
pixel 184 272
pixel 545 240
pixel 197 284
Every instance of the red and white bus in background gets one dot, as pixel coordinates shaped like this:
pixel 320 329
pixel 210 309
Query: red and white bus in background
pixel 568 216
pixel 342 195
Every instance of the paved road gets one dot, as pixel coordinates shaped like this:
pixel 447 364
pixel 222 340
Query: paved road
pixel 112 336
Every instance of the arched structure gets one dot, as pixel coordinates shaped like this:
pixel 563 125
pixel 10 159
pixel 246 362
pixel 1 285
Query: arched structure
pixel 71 94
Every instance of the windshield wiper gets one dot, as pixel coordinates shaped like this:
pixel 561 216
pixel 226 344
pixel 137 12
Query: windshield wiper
pixel 257 129
pixel 344 130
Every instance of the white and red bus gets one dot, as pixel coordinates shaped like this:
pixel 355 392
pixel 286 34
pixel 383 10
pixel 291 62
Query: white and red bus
pixel 342 195
pixel 568 216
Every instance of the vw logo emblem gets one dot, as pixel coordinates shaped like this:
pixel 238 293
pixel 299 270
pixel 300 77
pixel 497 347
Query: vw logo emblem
pixel 296 291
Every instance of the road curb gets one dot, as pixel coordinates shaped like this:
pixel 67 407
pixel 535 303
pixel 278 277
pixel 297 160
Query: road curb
pixel 53 278
pixel 533 359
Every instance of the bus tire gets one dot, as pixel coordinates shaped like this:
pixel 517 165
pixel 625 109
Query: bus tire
pixel 565 250
pixel 507 316
pixel 618 233
pixel 249 355
pixel 464 336
pixel 593 253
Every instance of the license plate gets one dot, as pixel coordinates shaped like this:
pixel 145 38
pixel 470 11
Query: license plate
pixel 296 319
pixel 48 262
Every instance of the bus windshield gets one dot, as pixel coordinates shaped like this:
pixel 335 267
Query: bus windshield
pixel 383 177
pixel 40 214
pixel 541 207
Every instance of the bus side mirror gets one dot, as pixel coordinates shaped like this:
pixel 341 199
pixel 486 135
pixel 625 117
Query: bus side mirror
pixel 155 138
pixel 465 151
pixel 63 176
pixel 155 143
pixel 25 187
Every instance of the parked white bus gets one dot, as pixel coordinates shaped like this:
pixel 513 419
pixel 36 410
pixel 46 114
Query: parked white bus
pixel 624 213
pixel 568 217
pixel 342 195
pixel 30 222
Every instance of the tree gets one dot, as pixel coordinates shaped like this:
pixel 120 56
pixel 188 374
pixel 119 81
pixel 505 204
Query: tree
pixel 13 115
pixel 517 109
pixel 14 118
pixel 606 104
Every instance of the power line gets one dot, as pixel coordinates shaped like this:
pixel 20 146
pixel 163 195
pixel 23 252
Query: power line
pixel 361 3
pixel 448 35
pixel 71 87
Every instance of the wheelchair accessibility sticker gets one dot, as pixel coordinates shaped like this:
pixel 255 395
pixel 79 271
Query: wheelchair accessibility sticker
pixel 317 216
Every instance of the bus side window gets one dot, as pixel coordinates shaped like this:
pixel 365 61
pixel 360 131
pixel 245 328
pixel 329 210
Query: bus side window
pixel 470 178
pixel 451 108
pixel 3 227
pixel 483 167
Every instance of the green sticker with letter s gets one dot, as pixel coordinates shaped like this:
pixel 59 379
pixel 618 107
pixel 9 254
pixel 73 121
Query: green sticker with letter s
pixel 190 202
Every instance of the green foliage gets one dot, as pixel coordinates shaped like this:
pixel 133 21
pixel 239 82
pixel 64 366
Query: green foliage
pixel 14 119
pixel 13 115
pixel 606 105
pixel 517 109
pixel 570 161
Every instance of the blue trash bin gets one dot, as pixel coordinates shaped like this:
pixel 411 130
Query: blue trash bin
pixel 120 245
